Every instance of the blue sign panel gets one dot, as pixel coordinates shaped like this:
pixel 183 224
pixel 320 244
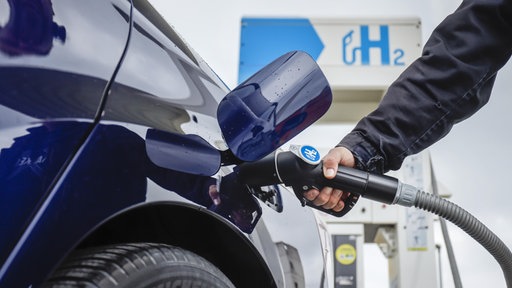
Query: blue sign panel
pixel 264 39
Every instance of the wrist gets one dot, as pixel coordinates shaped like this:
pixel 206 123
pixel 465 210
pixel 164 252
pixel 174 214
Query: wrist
pixel 366 157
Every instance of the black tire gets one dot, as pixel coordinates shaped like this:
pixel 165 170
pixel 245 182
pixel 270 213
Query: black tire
pixel 137 265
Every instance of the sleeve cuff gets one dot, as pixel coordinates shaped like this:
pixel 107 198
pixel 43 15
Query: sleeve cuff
pixel 366 156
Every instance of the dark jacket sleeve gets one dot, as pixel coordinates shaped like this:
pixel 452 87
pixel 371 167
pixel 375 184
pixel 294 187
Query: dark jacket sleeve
pixel 450 81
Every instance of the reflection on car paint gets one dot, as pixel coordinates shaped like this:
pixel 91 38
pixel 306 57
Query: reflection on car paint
pixel 27 170
pixel 169 74
pixel 265 119
pixel 186 153
pixel 30 28
pixel 28 166
pixel 65 36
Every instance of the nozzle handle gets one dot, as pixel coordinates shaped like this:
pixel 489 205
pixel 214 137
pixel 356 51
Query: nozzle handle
pixel 288 169
pixel 376 187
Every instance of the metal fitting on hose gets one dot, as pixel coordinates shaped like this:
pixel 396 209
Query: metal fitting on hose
pixel 405 195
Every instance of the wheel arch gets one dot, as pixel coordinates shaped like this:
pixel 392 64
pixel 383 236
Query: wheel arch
pixel 190 227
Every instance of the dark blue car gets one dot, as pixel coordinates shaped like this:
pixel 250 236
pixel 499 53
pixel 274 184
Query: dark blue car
pixel 117 150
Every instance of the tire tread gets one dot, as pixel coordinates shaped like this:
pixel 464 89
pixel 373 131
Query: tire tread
pixel 114 265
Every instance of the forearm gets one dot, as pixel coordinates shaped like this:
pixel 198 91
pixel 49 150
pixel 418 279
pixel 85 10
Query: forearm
pixel 448 83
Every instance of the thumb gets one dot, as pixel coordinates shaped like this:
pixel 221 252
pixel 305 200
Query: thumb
pixel 329 173
pixel 330 165
pixel 336 156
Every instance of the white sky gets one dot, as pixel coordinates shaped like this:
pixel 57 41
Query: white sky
pixel 472 162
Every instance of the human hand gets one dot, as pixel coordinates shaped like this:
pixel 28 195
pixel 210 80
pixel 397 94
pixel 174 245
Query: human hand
pixel 328 197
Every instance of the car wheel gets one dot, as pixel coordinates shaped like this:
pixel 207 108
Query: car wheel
pixel 137 265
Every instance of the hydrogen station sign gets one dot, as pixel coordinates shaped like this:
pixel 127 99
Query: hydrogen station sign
pixel 352 52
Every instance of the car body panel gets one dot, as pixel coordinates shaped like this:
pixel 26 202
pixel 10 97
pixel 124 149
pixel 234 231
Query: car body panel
pixel 98 164
pixel 49 73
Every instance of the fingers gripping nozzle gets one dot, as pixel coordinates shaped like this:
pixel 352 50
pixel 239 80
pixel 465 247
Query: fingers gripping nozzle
pixel 300 168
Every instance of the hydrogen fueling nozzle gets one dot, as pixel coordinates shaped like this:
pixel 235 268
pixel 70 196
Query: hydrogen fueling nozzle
pixel 301 169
